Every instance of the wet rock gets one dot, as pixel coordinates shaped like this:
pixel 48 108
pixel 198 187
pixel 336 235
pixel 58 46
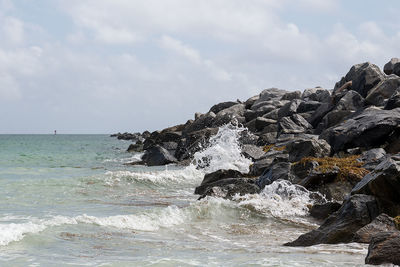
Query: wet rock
pixel 340 227
pixel 301 148
pixel 381 92
pixel 384 183
pixel 280 170
pixel 269 159
pixel 193 142
pixel 384 248
pixel 137 147
pixel 323 211
pixel 227 188
pixel 302 170
pixel 369 129
pixel 157 155
pixel 364 77
pixel 388 68
pixel 252 152
pixel 221 106
pixel 293 125
pixel 382 223
pixel 220 175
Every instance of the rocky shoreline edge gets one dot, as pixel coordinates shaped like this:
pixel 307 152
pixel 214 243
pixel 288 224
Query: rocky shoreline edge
pixel 342 143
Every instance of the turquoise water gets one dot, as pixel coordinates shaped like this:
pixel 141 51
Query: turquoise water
pixel 69 200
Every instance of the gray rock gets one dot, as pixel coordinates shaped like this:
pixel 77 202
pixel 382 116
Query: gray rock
pixel 261 122
pixel 364 77
pixel 270 94
pixel 280 170
pixel 219 175
pixel 396 69
pixel 323 211
pixel 252 152
pixel 267 139
pixel 371 158
pixel 369 129
pixel 237 110
pixel 203 122
pixel 306 106
pixel 340 227
pixel 388 68
pixel 293 125
pixel 316 94
pixel 273 115
pixel 384 248
pixel 382 91
pixel 394 101
pixel 227 188
pixel 249 102
pixel 303 170
pixel 318 114
pixel 289 108
pixel 221 106
pixel 301 148
pixel 291 95
pixel 382 223
pixel 157 155
pixel 269 159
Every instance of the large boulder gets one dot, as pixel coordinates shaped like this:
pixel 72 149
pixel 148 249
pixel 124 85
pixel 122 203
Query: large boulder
pixel 384 183
pixel 204 121
pixel 301 148
pixel 369 129
pixel 280 170
pixel 384 248
pixel 227 188
pixel 316 94
pixel 289 108
pixel 388 68
pixel 340 227
pixel 364 77
pixel 294 124
pixel 382 223
pixel 157 155
pixel 219 175
pixel 221 106
pixel 261 123
pixel 382 91
pixel 394 100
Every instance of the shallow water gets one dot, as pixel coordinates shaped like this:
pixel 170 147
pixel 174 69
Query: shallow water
pixel 69 200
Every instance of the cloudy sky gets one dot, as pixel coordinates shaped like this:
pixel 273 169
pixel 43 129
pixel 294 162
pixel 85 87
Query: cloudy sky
pixel 102 66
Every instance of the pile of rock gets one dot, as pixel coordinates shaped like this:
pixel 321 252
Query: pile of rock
pixel 343 143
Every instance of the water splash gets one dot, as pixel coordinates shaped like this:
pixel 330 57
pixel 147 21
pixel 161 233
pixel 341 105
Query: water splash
pixel 223 152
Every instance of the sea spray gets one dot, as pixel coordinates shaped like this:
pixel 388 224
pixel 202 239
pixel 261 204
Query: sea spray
pixel 223 151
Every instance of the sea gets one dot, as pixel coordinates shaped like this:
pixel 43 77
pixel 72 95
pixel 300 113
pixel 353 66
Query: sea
pixel 71 200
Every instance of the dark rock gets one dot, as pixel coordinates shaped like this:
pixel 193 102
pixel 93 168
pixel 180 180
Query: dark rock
pixel 394 101
pixel 273 115
pixel 269 159
pixel 237 110
pixel 227 188
pixel 384 183
pixel 382 91
pixel 221 106
pixel 289 108
pixel 384 248
pixel 280 170
pixel 396 69
pixel 291 95
pixel 251 126
pixel 367 130
pixel 293 125
pixel 301 148
pixel 316 94
pixel 382 223
pixel 194 142
pixel 321 111
pixel 252 152
pixel 135 147
pixel 267 139
pixel 261 122
pixel 323 211
pixel 157 155
pixel 371 158
pixel 220 175
pixel 308 106
pixel 388 68
pixel 364 77
pixel 302 170
pixel 271 94
pixel 203 122
pixel 249 102
pixel 262 107
pixel 340 227
pixel 250 115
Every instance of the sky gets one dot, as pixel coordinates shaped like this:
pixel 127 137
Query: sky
pixel 105 66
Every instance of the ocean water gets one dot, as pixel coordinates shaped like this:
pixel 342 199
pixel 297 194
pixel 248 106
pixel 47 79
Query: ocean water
pixel 69 200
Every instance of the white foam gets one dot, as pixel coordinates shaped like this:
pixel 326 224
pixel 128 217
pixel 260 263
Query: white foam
pixel 223 151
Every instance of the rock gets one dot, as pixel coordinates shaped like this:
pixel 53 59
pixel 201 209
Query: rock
pixel 289 108
pixel 371 158
pixel 318 114
pixel 384 183
pixel 350 101
pixel 158 155
pixel 269 159
pixel 396 69
pixel 138 147
pixel 384 248
pixel 340 227
pixel 262 107
pixel 382 91
pixel 203 122
pixel 270 94
pixel 308 106
pixel 369 129
pixel 266 139
pixel 364 77
pixel 219 175
pixel 291 95
pixel 261 122
pixel 316 94
pixel 273 115
pixel 323 211
pixel 394 101
pixel 388 68
pixel 250 115
pixel 252 152
pixel 221 106
pixel 249 102
pixel 382 223
pixel 193 142
pixel 128 136
pixel 302 170
pixel 237 110
pixel 277 171
pixel 293 125
pixel 227 188
pixel 301 148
